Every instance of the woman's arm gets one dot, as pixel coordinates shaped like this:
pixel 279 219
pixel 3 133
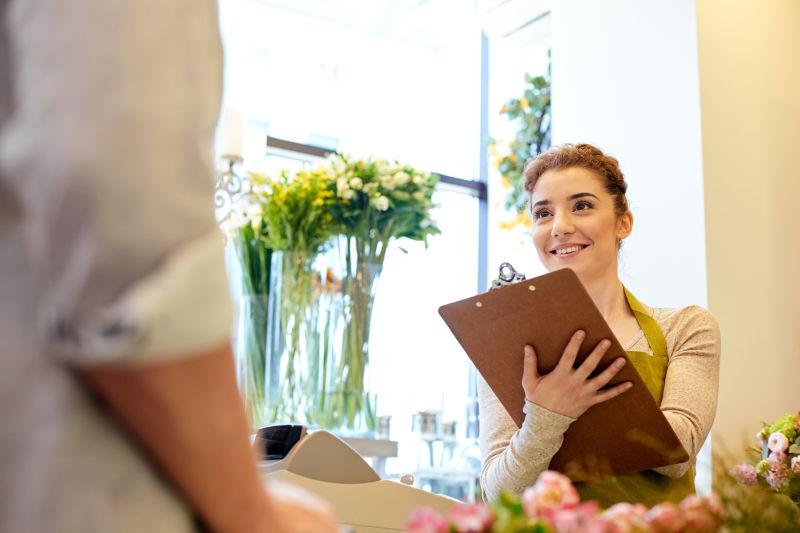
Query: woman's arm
pixel 513 458
pixel 690 389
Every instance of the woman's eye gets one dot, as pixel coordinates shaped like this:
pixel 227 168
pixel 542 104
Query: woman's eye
pixel 582 206
pixel 541 213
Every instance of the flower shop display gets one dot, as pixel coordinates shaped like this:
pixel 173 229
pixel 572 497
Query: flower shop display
pixel 779 467
pixel 313 244
pixel 552 505
pixel 377 203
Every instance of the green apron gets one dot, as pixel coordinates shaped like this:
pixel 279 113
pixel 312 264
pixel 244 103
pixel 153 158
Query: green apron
pixel 647 487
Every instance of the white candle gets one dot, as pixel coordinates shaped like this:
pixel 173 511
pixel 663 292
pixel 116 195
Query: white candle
pixel 231 132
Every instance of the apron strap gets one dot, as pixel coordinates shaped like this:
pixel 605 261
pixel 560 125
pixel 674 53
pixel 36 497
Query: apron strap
pixel 652 331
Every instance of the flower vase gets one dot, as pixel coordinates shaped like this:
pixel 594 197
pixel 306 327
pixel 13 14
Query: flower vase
pixel 250 355
pixel 293 337
pixel 342 401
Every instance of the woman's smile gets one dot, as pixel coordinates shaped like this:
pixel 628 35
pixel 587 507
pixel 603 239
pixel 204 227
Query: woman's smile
pixel 569 250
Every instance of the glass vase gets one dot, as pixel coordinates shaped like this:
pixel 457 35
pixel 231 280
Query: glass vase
pixel 293 342
pixel 250 355
pixel 342 401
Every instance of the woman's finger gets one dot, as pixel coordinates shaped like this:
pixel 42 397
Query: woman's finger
pixel 613 392
pixel 602 379
pixel 593 359
pixel 529 371
pixel 571 351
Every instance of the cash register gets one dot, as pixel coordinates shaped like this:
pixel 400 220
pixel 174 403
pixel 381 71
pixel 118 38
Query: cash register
pixel 325 465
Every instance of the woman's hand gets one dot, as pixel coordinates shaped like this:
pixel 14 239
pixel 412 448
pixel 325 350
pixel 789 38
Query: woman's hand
pixel 569 391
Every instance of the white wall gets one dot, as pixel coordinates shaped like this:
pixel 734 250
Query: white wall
pixel 750 89
pixel 625 80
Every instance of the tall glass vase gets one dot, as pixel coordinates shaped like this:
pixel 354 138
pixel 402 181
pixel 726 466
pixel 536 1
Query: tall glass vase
pixel 293 337
pixel 343 401
pixel 250 354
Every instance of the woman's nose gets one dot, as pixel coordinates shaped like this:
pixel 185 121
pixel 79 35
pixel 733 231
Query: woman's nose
pixel 562 225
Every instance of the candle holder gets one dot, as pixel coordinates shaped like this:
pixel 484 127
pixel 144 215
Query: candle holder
pixel 228 188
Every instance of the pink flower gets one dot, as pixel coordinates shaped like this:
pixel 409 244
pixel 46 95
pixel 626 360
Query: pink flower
pixel 796 464
pixel 777 477
pixel 625 517
pixel 744 474
pixel 580 518
pixel 666 518
pixel 778 442
pixel 551 491
pixel 473 518
pixel 426 520
pixel 776 458
pixel 703 514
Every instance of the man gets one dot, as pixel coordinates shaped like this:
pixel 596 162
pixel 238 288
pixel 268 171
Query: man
pixel 118 404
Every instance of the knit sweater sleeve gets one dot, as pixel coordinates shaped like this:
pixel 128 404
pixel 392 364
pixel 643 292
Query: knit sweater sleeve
pixel 513 458
pixel 689 401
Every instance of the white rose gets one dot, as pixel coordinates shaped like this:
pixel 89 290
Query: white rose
pixel 341 184
pixel 348 194
pixel 402 178
pixel 369 186
pixel 382 203
pixel 387 181
pixel 356 183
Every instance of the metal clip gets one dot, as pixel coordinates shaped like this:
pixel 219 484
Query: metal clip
pixel 507 275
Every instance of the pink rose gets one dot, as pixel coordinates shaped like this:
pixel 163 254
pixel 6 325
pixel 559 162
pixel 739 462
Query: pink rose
pixel 626 517
pixel 551 491
pixel 776 459
pixel 777 477
pixel 744 474
pixel 703 514
pixel 581 518
pixel 796 464
pixel 778 442
pixel 426 520
pixel 666 518
pixel 472 518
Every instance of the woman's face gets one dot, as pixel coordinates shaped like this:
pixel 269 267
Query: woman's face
pixel 575 224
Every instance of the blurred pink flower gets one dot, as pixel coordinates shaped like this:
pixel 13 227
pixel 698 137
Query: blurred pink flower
pixel 796 464
pixel 744 474
pixel 551 491
pixel 472 518
pixel 703 514
pixel 625 517
pixel 778 442
pixel 777 477
pixel 426 520
pixel 775 459
pixel 666 518
pixel 581 518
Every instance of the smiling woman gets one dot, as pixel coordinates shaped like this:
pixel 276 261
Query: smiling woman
pixel 581 216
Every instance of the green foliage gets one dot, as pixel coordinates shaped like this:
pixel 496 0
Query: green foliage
pixel 531 113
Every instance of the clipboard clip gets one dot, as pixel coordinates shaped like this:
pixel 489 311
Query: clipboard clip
pixel 506 276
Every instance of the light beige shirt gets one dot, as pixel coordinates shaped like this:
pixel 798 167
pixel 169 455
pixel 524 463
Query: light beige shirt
pixel 108 247
pixel 513 458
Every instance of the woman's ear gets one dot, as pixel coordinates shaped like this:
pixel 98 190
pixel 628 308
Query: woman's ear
pixel 624 225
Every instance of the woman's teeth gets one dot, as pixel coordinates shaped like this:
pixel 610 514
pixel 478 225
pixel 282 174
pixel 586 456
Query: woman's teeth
pixel 571 249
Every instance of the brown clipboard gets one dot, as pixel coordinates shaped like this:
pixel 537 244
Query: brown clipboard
pixel 626 434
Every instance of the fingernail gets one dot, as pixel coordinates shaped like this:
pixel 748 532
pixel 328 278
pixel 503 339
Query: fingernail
pixel 606 343
pixel 620 362
pixel 581 334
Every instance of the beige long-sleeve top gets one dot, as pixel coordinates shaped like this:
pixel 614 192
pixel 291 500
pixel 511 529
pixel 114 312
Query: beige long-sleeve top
pixel 514 457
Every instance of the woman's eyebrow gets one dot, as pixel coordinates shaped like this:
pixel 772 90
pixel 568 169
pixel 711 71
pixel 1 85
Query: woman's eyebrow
pixel 570 197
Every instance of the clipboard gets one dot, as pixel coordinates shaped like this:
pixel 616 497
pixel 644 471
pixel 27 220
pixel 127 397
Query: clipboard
pixel 626 434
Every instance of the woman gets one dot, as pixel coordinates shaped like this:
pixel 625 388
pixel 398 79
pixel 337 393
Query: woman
pixel 581 217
